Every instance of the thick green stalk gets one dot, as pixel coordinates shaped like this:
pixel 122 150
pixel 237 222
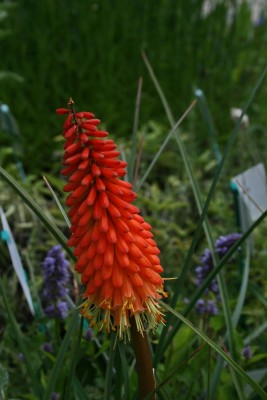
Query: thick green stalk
pixel 144 365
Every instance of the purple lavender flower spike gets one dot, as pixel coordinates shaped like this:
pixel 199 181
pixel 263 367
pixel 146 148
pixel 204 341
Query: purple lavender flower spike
pixel 214 286
pixel 50 311
pixel 207 260
pixel 222 246
pixel 88 334
pixel 48 347
pixel 247 352
pixel 56 277
pixel 62 309
pixel 201 306
pixel 212 308
pixel 224 243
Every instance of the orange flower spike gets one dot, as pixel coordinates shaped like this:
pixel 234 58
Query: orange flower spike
pixel 116 254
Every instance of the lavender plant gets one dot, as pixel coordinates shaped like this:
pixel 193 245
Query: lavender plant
pixel 56 277
pixel 63 374
pixel 209 305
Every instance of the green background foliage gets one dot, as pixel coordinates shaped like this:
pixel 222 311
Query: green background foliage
pixel 91 50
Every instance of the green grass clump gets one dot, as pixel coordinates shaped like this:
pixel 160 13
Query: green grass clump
pixel 191 351
pixel 93 50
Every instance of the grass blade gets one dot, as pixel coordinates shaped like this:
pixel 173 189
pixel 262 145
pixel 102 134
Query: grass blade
pixel 256 292
pixel 125 372
pixel 243 288
pixel 203 219
pixel 229 360
pixel 74 361
pixel 135 128
pixel 204 109
pixel 212 275
pixel 19 337
pixel 16 261
pixel 203 212
pixel 138 160
pixel 61 209
pixel 230 331
pixel 174 372
pixel 159 90
pixel 79 390
pixel 235 318
pixel 52 228
pixel 257 332
pixel 206 283
pixel 110 369
pixel 260 376
pixel 34 287
pixel 162 147
pixel 61 356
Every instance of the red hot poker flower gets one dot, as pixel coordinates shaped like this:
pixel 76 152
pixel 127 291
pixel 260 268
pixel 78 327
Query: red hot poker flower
pixel 116 254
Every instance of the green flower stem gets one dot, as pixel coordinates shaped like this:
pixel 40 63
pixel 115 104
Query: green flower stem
pixel 144 365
